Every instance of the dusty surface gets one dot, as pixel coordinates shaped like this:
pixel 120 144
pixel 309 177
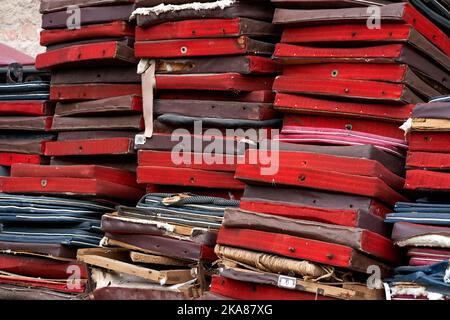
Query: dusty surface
pixel 20 22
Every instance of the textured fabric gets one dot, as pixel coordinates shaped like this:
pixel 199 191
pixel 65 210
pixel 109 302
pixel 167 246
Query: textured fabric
pixel 75 237
pixel 441 99
pixel 27 136
pixel 53 201
pixel 423 213
pixel 192 203
pixel 51 220
pixel 25 96
pixel 437 14
pixel 422 207
pixel 430 276
pixel 194 199
pixel 33 90
pixel 168 215
pixel 340 137
pixel 25 87
pixel 422 218
pixel 180 120
pixel 200 211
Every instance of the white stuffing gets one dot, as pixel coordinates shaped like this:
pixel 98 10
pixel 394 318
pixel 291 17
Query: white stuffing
pixel 432 240
pixel 415 291
pixel 418 291
pixel 197 6
pixel 447 275
pixel 180 285
pixel 104 242
pixel 104 278
pixel 435 296
pixel 406 127
pixel 160 225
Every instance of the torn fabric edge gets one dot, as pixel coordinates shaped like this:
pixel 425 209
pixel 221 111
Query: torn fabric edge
pixel 406 127
pixel 146 68
pixel 197 6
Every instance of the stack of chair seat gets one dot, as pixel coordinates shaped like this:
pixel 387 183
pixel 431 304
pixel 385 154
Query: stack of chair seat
pixel 428 158
pixel 436 11
pixel 25 110
pixel 161 249
pixel 423 227
pixel 39 239
pixel 98 106
pixel 347 82
pixel 213 70
pixel 311 221
pixel 92 181
pixel 347 87
pixel 426 282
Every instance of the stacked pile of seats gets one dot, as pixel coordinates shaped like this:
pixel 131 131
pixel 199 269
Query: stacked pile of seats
pixel 345 83
pixel 39 236
pixel 39 239
pixel 161 249
pixel 98 109
pixel 25 110
pixel 312 219
pixel 212 75
pixel 429 153
pixel 423 227
pixel 322 213
pixel 351 77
